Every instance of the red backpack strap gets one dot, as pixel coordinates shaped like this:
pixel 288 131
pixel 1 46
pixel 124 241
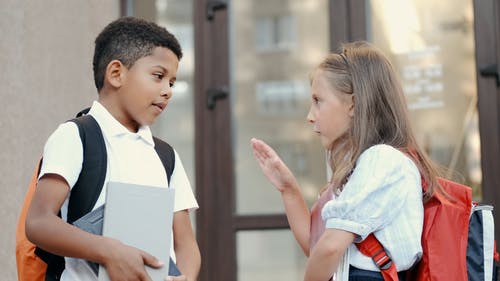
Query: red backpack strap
pixel 371 247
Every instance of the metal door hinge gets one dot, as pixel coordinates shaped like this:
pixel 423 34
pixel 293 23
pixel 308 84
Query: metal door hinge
pixel 215 94
pixel 491 70
pixel 213 6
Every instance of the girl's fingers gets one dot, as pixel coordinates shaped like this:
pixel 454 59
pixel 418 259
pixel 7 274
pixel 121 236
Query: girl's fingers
pixel 260 149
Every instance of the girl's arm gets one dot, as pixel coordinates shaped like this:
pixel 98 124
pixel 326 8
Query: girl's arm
pixel 186 248
pixel 298 216
pixel 282 178
pixel 326 254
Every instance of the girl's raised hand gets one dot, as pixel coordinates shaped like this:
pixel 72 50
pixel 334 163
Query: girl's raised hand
pixel 272 166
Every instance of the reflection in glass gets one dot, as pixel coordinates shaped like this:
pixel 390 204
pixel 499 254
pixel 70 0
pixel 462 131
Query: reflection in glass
pixel 269 256
pixel 272 52
pixel 431 45
pixel 176 124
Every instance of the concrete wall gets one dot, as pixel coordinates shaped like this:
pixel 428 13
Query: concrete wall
pixel 46 50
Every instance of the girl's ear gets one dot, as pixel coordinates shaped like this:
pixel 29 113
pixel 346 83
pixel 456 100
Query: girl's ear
pixel 114 73
pixel 351 105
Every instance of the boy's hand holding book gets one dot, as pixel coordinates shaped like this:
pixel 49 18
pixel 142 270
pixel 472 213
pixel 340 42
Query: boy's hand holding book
pixel 125 262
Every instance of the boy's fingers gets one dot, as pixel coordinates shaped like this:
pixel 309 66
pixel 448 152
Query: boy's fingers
pixel 146 277
pixel 176 278
pixel 150 260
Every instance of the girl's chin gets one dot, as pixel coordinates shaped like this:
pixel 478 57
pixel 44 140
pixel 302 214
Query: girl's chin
pixel 326 143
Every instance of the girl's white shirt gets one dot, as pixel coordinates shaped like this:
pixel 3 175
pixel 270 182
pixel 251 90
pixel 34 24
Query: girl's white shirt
pixel 383 195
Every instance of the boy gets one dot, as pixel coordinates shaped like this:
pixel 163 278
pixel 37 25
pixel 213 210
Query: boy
pixel 135 66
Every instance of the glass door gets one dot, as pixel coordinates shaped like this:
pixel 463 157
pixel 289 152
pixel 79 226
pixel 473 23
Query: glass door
pixel 273 47
pixel 431 44
pixel 252 78
pixel 447 54
pixel 176 124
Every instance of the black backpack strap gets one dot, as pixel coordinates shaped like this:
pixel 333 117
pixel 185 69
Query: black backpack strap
pixel 83 112
pixel 88 186
pixel 167 156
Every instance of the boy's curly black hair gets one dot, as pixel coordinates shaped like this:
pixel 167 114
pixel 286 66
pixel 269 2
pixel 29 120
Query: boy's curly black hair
pixel 128 39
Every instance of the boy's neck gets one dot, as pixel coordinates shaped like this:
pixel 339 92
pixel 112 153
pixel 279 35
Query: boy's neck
pixel 108 101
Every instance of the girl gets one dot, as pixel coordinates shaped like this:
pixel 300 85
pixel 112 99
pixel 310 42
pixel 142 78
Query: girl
pixel 359 112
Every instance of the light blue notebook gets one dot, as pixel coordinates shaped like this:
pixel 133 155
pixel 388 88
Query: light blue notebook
pixel 140 216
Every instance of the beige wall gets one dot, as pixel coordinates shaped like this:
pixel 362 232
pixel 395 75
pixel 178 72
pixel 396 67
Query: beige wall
pixel 46 58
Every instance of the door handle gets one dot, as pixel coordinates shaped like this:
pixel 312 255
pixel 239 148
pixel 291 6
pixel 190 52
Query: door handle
pixel 215 94
pixel 213 6
pixel 491 70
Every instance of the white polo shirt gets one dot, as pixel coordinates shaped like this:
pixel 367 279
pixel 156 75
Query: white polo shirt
pixel 131 159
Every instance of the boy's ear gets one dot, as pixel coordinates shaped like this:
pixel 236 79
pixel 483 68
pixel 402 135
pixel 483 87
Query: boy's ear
pixel 114 73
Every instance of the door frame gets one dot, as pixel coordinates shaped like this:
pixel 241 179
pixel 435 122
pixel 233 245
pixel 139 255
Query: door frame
pixel 487 43
pixel 214 170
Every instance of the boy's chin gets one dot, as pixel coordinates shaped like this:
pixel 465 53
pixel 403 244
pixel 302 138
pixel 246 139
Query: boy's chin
pixel 148 122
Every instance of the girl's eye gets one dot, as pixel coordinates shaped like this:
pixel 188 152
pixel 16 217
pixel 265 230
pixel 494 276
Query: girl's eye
pixel 315 100
pixel 172 84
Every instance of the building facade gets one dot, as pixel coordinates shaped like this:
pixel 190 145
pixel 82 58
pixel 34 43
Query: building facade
pixel 245 73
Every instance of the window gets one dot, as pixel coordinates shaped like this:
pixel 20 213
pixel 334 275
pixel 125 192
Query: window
pixel 276 33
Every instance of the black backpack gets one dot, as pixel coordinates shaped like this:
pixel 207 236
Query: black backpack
pixel 93 173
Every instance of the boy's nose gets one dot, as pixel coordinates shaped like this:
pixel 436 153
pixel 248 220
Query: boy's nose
pixel 167 92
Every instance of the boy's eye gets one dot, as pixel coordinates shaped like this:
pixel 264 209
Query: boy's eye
pixel 172 84
pixel 158 75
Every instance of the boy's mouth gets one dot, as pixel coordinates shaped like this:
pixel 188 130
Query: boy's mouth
pixel 160 105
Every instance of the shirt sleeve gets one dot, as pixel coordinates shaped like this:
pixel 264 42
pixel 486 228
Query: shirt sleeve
pixel 184 197
pixel 63 153
pixel 375 193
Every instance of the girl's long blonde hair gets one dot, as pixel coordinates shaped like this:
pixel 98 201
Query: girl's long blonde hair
pixel 380 112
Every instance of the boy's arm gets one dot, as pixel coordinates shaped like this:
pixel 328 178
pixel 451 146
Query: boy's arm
pixel 46 230
pixel 186 246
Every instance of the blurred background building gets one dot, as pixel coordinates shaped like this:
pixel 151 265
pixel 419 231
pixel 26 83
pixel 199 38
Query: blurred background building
pixel 245 73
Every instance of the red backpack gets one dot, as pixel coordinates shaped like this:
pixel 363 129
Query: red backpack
pixel 457 245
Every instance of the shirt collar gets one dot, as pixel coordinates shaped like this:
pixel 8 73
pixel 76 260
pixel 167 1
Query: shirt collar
pixel 112 127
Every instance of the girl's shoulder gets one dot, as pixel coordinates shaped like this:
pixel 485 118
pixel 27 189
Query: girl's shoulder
pixel 383 149
pixel 384 154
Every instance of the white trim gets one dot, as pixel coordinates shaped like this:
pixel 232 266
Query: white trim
pixel 488 242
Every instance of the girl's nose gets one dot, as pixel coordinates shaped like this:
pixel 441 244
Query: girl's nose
pixel 310 117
